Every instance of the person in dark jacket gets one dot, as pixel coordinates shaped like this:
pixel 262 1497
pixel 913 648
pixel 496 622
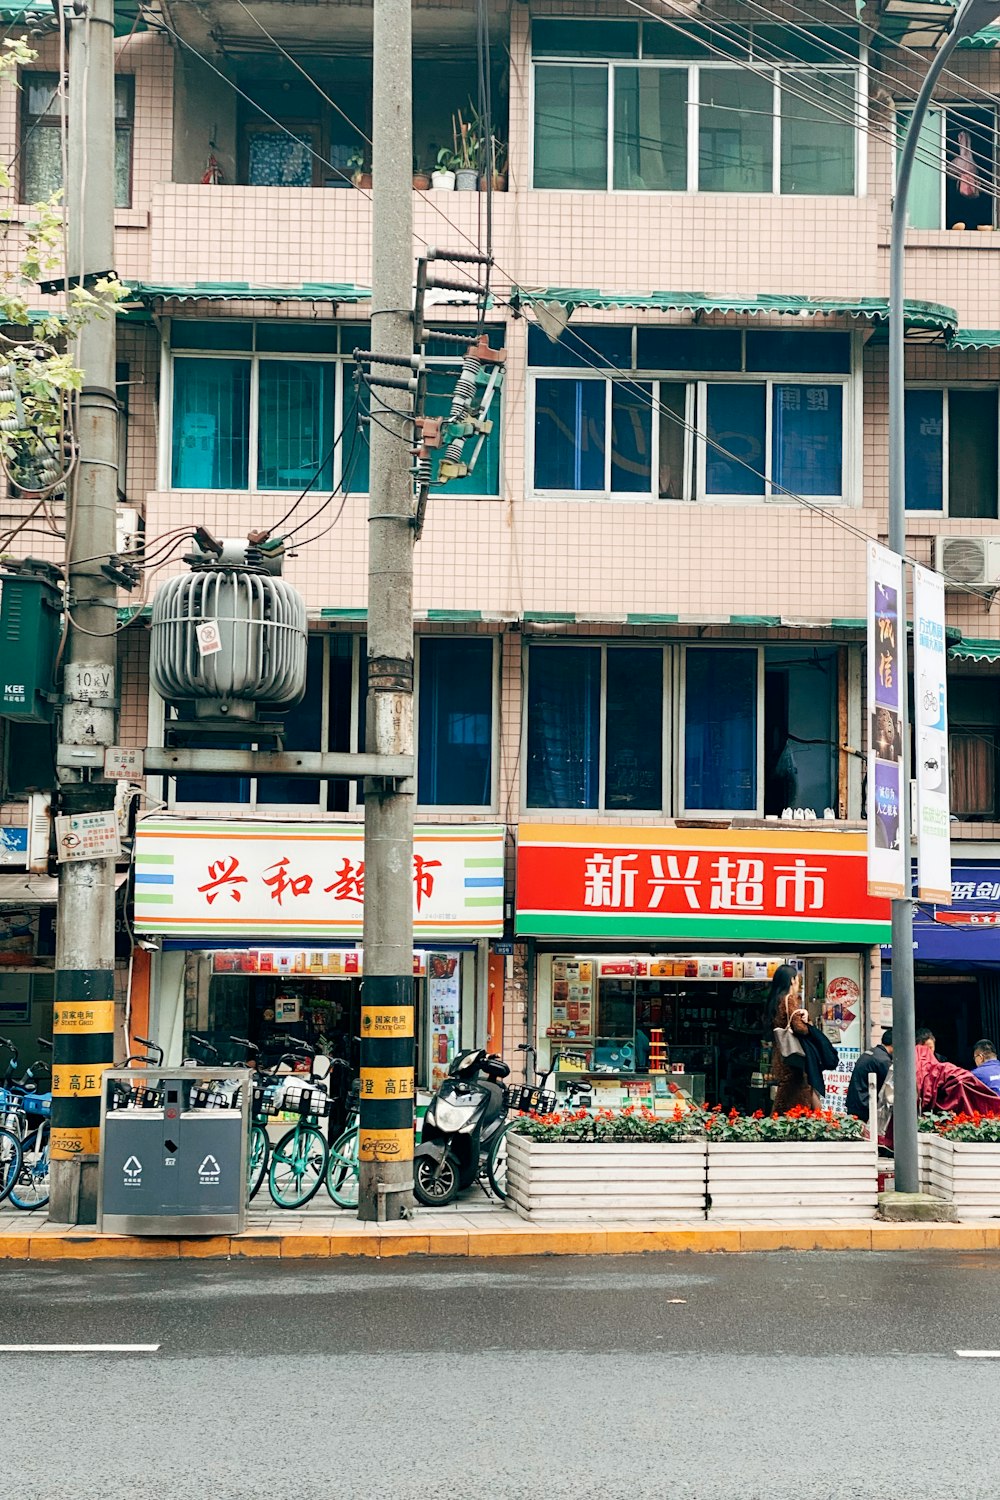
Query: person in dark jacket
pixel 878 1061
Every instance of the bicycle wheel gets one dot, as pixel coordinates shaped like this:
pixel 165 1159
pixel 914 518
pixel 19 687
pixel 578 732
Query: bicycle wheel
pixel 30 1188
pixel 258 1155
pixel 298 1165
pixel 342 1173
pixel 496 1164
pixel 10 1160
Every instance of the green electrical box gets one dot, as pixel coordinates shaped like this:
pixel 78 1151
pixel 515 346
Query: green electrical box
pixel 30 622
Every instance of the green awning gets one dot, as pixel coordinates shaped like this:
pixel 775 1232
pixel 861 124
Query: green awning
pixel 35 13
pixel 975 650
pixel 976 338
pixel 247 291
pixel 926 315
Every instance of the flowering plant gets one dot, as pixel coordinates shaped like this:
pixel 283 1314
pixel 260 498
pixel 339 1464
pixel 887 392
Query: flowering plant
pixel 965 1127
pixel 799 1124
pixel 634 1123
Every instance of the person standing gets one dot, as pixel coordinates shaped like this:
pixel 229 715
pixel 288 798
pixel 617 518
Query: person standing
pixel 987 1068
pixel 784 1009
pixel 877 1060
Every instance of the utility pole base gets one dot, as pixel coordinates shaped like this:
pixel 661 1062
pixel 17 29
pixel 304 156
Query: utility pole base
pixel 915 1208
pixel 73 1191
pixel 385 1191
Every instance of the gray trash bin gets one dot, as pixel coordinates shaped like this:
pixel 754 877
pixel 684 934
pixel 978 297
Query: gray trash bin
pixel 174 1147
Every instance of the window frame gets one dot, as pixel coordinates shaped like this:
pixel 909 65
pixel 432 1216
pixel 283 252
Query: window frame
pixel 253 807
pixel 904 109
pixel 945 387
pixel 692 68
pixel 28 123
pixel 342 359
pixel 441 809
pixel 695 432
pixel 667 726
pixel 683 811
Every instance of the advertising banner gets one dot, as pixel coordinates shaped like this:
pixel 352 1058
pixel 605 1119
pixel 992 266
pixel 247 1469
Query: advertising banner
pixel 295 880
pixel 590 881
pixel 887 860
pixel 931 726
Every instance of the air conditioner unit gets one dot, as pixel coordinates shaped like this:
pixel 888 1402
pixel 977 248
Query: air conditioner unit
pixel 968 560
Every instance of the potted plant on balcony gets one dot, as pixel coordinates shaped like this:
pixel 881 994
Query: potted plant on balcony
pixel 443 176
pixel 496 166
pixel 631 1162
pixel 467 154
pixel 421 178
pixel 805 1164
pixel 356 167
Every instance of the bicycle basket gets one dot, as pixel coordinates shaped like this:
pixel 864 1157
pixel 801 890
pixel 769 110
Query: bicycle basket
pixel 302 1100
pixel 37 1106
pixel 526 1100
pixel 210 1096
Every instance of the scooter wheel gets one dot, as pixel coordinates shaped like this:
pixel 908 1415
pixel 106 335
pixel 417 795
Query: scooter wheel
pixel 435 1183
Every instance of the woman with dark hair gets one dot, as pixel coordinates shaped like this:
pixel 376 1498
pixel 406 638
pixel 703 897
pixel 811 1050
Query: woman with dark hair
pixel 783 1009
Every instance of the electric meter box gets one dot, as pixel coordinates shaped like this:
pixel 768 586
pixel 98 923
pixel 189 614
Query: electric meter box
pixel 30 622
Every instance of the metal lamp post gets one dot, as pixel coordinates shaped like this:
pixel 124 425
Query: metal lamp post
pixel 970 16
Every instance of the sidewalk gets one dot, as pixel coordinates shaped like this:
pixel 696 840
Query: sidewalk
pixel 475 1228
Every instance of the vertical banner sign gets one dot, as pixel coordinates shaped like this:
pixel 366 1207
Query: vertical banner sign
pixel 386 1103
pixel 887 860
pixel 931 723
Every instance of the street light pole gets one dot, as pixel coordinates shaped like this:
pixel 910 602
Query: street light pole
pixel 970 16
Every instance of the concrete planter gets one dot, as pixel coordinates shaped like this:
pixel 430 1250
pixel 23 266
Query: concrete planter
pixel 967 1172
pixel 790 1180
pixel 547 1181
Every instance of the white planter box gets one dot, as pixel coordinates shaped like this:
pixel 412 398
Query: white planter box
pixel 579 1180
pixel 792 1180
pixel 967 1172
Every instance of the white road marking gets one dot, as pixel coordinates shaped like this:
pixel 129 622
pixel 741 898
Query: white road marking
pixel 978 1353
pixel 78 1348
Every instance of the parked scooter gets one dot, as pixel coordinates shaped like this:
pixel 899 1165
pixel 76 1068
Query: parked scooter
pixel 464 1117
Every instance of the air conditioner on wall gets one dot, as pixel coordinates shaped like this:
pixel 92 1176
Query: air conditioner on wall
pixel 968 560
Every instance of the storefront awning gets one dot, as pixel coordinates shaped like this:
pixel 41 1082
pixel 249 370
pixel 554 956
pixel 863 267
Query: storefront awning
pixel 248 291
pixel 975 650
pixel 965 935
pixel 36 13
pixel 932 316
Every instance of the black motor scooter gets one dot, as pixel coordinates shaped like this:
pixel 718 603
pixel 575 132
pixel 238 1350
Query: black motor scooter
pixel 461 1123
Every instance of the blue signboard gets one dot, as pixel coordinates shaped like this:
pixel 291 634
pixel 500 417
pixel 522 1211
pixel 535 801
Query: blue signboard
pixel 975 889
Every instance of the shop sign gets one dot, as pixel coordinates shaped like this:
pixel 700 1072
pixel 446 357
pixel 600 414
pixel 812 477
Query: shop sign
pixel 588 881
pixel 931 715
pixel 307 880
pixel 92 835
pixel 886 600
pixel 13 846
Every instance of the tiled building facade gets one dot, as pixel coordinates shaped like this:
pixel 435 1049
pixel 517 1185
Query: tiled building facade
pixel 680 473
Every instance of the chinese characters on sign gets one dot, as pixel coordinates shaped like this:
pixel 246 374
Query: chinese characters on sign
pixel 720 884
pixel 91 835
pixel 301 880
pixel 886 601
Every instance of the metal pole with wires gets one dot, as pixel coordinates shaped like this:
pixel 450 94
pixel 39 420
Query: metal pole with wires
pixel 970 17
pixel 387 1012
pixel 83 1025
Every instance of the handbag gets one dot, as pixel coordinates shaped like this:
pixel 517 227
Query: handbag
pixel 786 1042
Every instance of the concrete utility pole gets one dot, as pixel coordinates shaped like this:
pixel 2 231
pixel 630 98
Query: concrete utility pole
pixel 387 1040
pixel 83 1026
pixel 970 16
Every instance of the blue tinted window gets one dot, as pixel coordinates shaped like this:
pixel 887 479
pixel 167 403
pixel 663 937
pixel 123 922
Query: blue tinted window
pixel 581 348
pixel 354 455
pixel 303 731
pixel 295 425
pixel 689 349
pixel 571 127
pixel 557 38
pixel 564 726
pixel 798 353
pixel 633 733
pixel 631 437
pixel 485 477
pixel 736 424
pixel 808 439
pixel 211 424
pixel 219 333
pixel 569 434
pixel 720 730
pixel 455 752
pixel 924 419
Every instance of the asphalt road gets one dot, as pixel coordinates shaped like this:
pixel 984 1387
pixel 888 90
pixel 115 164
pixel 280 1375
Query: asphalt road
pixel 700 1377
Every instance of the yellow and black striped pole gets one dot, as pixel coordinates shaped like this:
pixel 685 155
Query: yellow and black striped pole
pixel 386 1118
pixel 83 1027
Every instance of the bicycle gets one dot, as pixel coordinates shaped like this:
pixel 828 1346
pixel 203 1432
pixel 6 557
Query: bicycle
pixel 523 1100
pixel 27 1116
pixel 342 1169
pixel 299 1159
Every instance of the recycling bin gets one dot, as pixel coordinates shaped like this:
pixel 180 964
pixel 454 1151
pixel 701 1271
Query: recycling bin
pixel 174 1147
